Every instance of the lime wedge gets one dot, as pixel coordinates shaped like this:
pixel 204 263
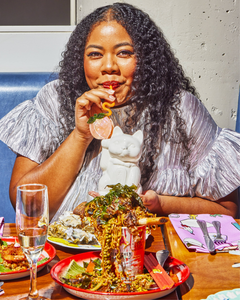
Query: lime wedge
pixel 73 269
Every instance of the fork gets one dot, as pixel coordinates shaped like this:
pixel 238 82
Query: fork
pixel 1 290
pixel 218 239
pixel 209 243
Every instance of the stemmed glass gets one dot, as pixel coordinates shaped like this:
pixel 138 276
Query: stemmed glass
pixel 32 219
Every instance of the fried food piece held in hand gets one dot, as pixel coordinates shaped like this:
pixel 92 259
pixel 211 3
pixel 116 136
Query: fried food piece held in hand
pixel 80 209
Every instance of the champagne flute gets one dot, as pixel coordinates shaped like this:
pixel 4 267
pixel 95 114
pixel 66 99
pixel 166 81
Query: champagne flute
pixel 32 219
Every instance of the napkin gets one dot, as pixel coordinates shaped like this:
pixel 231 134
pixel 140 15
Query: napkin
pixel 191 235
pixel 225 295
pixel 1 225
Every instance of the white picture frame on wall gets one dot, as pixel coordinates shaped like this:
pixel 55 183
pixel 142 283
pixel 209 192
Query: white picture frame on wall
pixel 35 48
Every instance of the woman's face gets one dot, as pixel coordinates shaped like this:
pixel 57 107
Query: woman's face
pixel 109 56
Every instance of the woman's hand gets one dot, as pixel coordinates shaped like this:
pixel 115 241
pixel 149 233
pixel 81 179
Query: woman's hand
pixel 164 205
pixel 87 105
pixel 151 200
pixel 93 194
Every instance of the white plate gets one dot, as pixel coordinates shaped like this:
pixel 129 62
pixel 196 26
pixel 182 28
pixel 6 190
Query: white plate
pixel 82 247
pixel 49 251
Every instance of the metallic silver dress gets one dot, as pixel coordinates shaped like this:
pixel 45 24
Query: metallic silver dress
pixel 32 130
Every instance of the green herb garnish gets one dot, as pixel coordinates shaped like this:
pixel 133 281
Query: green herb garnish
pixel 42 261
pixel 3 243
pixel 111 199
pixel 95 117
pixel 4 269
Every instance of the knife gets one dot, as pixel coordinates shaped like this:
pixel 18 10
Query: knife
pixel 209 243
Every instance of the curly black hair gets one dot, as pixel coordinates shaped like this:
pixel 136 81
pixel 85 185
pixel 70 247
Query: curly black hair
pixel 158 79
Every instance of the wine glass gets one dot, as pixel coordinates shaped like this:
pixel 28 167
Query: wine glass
pixel 32 219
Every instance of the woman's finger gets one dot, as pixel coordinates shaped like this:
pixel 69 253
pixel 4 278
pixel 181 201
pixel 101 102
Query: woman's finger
pixel 96 96
pixel 93 194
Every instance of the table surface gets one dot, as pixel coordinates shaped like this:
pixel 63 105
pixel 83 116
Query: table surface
pixel 209 273
pixel 47 286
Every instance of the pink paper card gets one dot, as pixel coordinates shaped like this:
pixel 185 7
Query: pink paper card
pixel 191 235
pixel 1 225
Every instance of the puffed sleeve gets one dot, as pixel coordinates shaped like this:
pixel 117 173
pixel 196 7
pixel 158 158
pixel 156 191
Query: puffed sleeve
pixel 31 129
pixel 215 153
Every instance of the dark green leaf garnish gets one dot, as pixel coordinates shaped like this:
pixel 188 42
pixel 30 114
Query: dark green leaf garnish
pixel 86 282
pixel 3 243
pixel 121 207
pixel 97 262
pixel 95 117
pixel 110 200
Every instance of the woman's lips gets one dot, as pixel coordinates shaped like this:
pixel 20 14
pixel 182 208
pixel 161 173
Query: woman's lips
pixel 114 84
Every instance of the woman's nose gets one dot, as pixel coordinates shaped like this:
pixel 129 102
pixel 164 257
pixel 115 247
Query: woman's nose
pixel 109 65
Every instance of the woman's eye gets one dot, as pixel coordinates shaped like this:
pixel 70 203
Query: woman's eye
pixel 125 53
pixel 94 54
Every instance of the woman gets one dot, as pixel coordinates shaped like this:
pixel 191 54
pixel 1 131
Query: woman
pixel 184 165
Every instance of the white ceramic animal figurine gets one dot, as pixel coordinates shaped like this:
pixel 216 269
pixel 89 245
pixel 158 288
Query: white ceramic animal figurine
pixel 119 161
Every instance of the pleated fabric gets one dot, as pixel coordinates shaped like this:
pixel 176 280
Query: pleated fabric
pixel 32 129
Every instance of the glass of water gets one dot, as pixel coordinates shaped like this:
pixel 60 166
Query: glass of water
pixel 32 219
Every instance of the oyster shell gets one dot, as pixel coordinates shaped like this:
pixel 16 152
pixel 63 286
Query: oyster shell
pixel 73 229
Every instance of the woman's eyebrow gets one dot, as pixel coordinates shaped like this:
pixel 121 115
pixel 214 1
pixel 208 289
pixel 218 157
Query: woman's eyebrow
pixel 115 47
pixel 123 44
pixel 94 46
